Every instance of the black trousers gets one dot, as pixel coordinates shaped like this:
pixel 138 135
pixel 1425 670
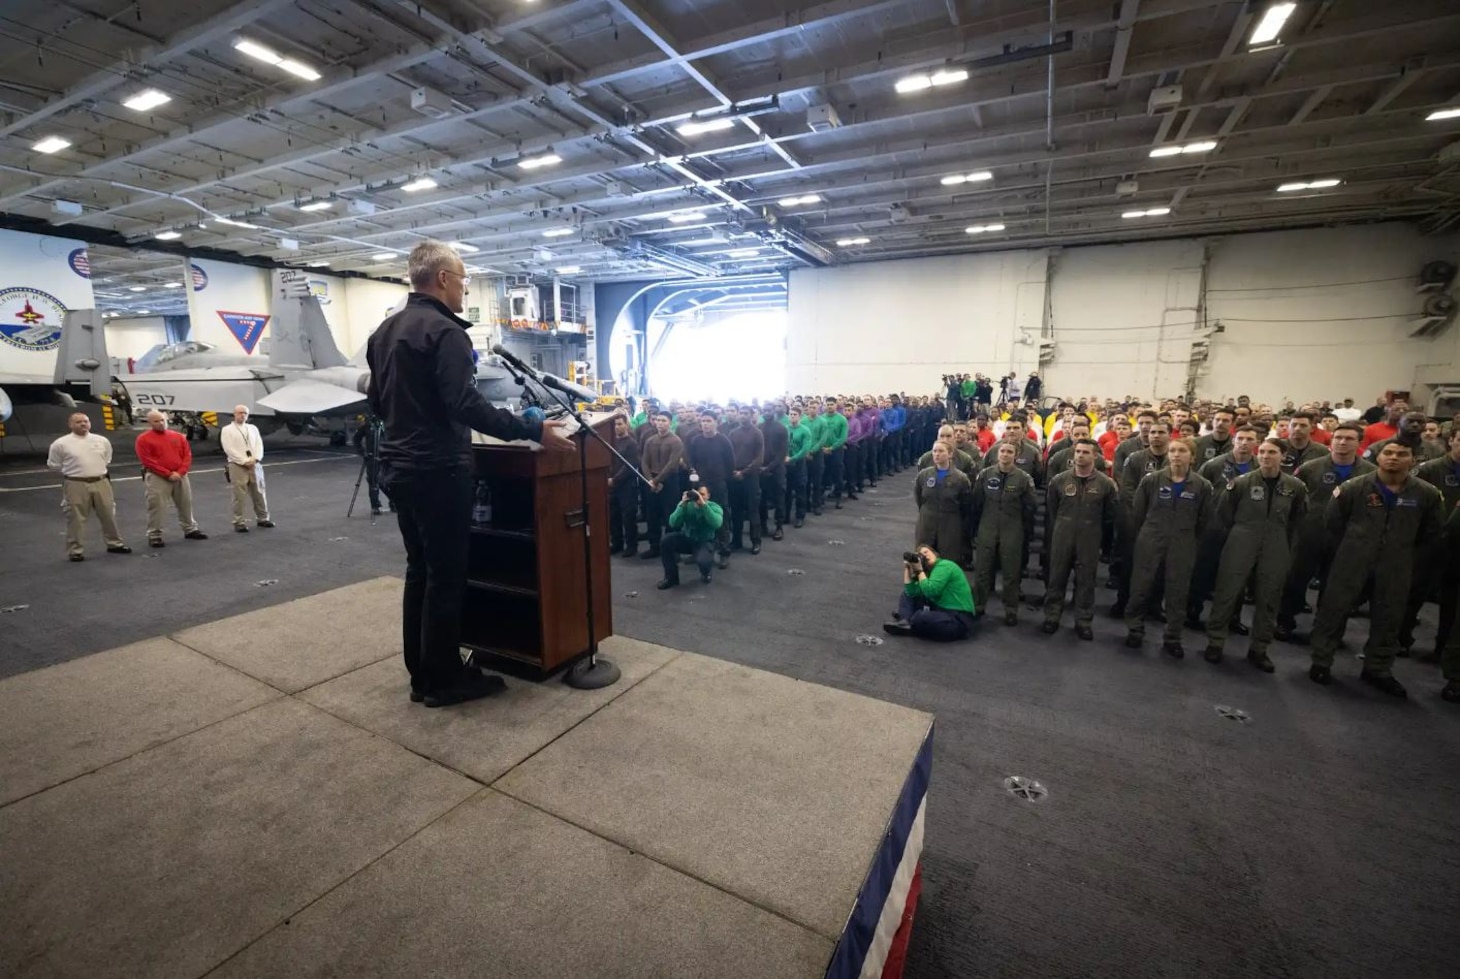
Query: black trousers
pixel 623 516
pixel 796 487
pixel 744 508
pixel 773 495
pixel 872 451
pixel 832 472
pixel 434 510
pixel 658 506
pixel 675 544
pixel 815 490
pixel 852 467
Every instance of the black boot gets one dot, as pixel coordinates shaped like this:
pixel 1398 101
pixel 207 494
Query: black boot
pixel 1385 683
pixel 1320 675
pixel 1134 640
pixel 1213 654
pixel 1451 693
pixel 1084 632
pixel 1173 649
pixel 780 533
pixel 1260 660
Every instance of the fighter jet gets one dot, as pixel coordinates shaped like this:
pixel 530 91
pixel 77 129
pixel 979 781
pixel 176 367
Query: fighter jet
pixel 306 376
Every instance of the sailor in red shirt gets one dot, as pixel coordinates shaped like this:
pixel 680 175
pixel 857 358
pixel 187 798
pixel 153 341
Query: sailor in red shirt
pixel 166 459
pixel 1118 432
pixel 982 434
pixel 1387 428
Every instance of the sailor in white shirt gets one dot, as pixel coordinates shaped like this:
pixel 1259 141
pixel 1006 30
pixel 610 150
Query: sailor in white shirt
pixel 244 448
pixel 82 459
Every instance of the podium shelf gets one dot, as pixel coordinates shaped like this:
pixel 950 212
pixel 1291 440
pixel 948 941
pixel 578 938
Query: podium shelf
pixel 502 588
pixel 504 533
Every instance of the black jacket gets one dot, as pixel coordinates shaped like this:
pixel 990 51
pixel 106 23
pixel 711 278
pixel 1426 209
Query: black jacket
pixel 423 388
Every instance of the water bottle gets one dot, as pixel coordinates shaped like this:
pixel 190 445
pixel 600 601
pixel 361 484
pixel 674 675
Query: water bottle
pixel 481 511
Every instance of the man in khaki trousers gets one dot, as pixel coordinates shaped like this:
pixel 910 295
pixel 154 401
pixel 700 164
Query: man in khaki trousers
pixel 244 447
pixel 166 459
pixel 82 459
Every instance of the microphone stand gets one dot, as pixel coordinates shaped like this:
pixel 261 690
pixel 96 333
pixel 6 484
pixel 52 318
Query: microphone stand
pixel 592 672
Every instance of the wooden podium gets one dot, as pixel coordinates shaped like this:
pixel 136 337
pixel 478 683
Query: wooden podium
pixel 525 608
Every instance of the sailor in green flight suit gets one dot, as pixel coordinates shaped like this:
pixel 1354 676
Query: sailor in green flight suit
pixel 1082 504
pixel 1003 511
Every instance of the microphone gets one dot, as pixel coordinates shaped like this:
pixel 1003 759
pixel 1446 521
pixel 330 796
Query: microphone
pixel 567 387
pixel 512 359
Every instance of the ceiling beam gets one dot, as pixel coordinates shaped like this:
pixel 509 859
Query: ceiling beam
pixel 1313 101
pixel 100 82
pixel 1394 89
pixel 1125 28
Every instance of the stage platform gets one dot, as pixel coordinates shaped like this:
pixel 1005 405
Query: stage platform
pixel 257 797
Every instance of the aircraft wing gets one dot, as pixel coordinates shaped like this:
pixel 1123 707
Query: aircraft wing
pixel 310 397
pixel 212 389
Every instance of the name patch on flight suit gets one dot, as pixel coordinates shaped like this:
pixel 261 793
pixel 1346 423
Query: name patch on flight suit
pixel 1188 495
pixel 1259 493
pixel 1284 490
pixel 1406 502
pixel 993 482
pixel 1164 493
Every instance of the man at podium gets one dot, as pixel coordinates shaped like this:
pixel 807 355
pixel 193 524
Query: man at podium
pixel 423 389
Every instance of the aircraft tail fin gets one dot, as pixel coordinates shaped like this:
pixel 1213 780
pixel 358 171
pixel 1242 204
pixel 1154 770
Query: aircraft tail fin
pixel 82 357
pixel 299 335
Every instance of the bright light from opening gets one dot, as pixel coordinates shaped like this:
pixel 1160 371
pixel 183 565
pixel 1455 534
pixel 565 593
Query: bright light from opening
pixel 317 206
pixel 546 160
pixel 685 218
pixel 1439 115
pixel 557 233
pixel 172 285
pixel 849 242
pixel 149 99
pixel 167 235
pixel 51 144
pixel 705 126
pixel 743 253
pixel 318 264
pixel 1271 24
pixel 420 183
pixel 144 312
pixel 747 349
pixel 237 224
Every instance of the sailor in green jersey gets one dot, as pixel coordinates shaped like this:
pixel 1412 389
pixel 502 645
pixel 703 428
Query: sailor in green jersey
pixel 801 441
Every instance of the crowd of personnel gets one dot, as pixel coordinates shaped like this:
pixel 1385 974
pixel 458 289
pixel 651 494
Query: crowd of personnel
pixel 1198 509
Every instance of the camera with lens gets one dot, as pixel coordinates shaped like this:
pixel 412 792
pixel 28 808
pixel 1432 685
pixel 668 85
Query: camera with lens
pixel 912 557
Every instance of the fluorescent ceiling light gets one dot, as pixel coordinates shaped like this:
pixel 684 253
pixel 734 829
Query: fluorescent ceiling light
pixel 382 256
pixel 1154 212
pixel 136 288
pixel 420 183
pixel 949 76
pixel 143 312
pixel 913 83
pixel 846 242
pixel 682 218
pixel 1203 146
pixel 1161 151
pixel 706 126
pixel 967 178
pixel 172 285
pixel 463 248
pixel 149 99
pixel 237 224
pixel 321 263
pixel 569 270
pixel 546 160
pixel 743 252
pixel 167 235
pixel 799 201
pixel 557 233
pixel 317 206
pixel 1322 184
pixel 1441 114
pixel 51 144
pixel 299 69
pixel 257 51
pixel 1272 22
pixel 979 229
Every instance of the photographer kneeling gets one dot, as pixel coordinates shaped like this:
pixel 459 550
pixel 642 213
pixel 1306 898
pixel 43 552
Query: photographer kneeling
pixel 692 529
pixel 936 602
